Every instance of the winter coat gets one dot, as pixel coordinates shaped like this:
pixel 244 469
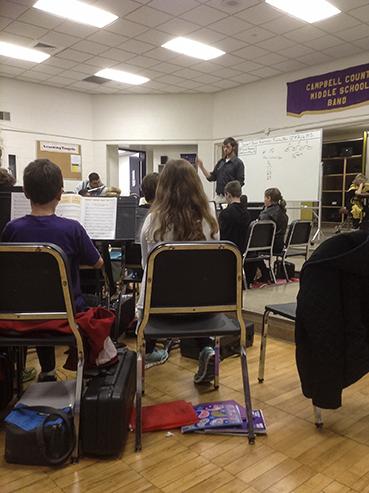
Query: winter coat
pixel 332 318
pixel 277 214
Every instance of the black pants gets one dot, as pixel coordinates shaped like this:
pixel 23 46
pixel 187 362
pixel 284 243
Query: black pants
pixel 46 357
pixel 251 268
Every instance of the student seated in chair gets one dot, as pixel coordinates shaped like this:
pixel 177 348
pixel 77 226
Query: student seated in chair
pixel 274 210
pixel 43 185
pixel 180 212
pixel 234 220
pixel 148 187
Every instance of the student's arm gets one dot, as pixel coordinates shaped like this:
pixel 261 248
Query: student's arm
pixel 143 240
pixel 359 192
pixel 240 175
pixel 99 264
pixel 211 176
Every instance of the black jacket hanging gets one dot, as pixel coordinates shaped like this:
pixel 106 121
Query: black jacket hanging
pixel 332 318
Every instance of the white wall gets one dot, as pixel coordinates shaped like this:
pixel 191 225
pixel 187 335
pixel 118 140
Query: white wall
pixel 44 113
pixel 173 152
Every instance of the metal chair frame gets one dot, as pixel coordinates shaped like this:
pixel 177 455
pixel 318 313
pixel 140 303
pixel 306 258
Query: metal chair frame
pixel 149 310
pixel 286 310
pixel 268 249
pixel 68 314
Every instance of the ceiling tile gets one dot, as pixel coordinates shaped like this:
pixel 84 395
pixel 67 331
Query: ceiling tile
pixel 10 70
pixel 117 54
pixel 363 43
pixel 15 38
pixel 136 46
pixel 170 79
pixel 271 59
pixel 228 60
pixel 47 69
pixel 27 3
pixel 184 61
pixel 76 29
pixel 70 54
pixel 174 7
pixel 73 74
pixel 118 7
pixel 315 58
pixel 36 75
pixel 354 33
pixel 98 62
pixel 17 63
pixel 305 34
pixel 266 72
pixel 245 78
pixel 205 35
pixel 188 73
pixel 59 40
pixel 126 28
pixel 11 9
pixel 226 84
pixel 254 35
pixel 143 61
pixel 250 52
pixel 167 68
pixel 343 50
pixel 259 14
pixel 230 25
pixel 148 16
pixel 225 72
pixel 339 22
pixel 154 37
pixel 161 54
pixel 189 84
pixel 207 88
pixel 27 30
pixel 4 21
pixel 206 79
pixel 91 67
pixel 61 80
pixel 296 51
pixel 38 18
pixel 203 15
pixel 107 38
pixel 277 43
pixel 230 44
pixel 30 78
pixel 248 66
pixel 346 5
pixel 289 66
pixel 178 27
pixel 59 62
pixel 324 42
pixel 232 7
pixel 284 25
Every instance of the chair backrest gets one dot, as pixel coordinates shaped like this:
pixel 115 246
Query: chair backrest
pixel 260 236
pixel 196 277
pixel 298 233
pixel 35 283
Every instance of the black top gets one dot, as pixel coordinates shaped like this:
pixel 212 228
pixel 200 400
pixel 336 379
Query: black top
pixel 234 222
pixel 278 215
pixel 226 171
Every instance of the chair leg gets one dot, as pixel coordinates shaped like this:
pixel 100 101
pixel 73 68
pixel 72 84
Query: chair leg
pixel 138 435
pixel 285 269
pixel 217 362
pixel 318 417
pixel 263 342
pixel 19 357
pixel 272 275
pixel 77 408
pixel 247 394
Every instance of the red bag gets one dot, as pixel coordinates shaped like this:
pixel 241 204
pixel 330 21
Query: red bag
pixel 166 416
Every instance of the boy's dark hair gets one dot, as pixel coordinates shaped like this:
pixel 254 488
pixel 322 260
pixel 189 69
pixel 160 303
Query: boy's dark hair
pixel 233 188
pixel 42 181
pixel 233 142
pixel 148 186
pixel 93 177
pixel 6 179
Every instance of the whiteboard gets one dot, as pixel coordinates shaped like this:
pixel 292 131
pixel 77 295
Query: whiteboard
pixel 289 162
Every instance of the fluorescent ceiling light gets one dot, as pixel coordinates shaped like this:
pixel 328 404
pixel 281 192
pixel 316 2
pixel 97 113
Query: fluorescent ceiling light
pixel 21 53
pixel 121 76
pixel 192 48
pixel 307 10
pixel 77 11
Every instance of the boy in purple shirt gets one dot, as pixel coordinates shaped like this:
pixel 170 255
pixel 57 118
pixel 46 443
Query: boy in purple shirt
pixel 43 185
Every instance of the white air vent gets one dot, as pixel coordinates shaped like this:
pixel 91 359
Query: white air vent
pixel 96 79
pixel 5 115
pixel 44 46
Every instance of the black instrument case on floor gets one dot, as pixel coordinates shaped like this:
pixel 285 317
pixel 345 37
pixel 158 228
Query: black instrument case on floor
pixel 106 407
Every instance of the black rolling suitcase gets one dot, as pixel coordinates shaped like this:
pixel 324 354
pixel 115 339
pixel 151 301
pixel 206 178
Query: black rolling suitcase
pixel 106 407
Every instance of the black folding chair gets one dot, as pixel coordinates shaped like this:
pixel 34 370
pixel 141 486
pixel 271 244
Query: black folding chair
pixel 260 241
pixel 35 285
pixel 298 235
pixel 180 305
pixel 285 310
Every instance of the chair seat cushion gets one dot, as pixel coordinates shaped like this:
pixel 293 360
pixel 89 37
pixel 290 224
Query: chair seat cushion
pixel 13 338
pixel 287 310
pixel 199 325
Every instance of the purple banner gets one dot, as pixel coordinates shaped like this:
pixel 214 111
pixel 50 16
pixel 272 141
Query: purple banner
pixel 332 91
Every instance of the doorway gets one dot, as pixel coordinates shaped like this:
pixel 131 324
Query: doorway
pixel 132 169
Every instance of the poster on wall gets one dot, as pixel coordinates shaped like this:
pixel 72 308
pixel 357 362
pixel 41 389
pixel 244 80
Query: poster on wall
pixel 67 156
pixel 332 91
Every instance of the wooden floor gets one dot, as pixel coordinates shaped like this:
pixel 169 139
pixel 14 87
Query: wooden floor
pixel 294 456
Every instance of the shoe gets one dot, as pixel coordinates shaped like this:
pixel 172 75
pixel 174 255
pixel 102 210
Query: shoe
pixel 46 377
pixel 157 357
pixel 258 285
pixel 28 374
pixel 206 370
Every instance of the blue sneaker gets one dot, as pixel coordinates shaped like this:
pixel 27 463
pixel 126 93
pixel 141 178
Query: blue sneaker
pixel 206 370
pixel 157 357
